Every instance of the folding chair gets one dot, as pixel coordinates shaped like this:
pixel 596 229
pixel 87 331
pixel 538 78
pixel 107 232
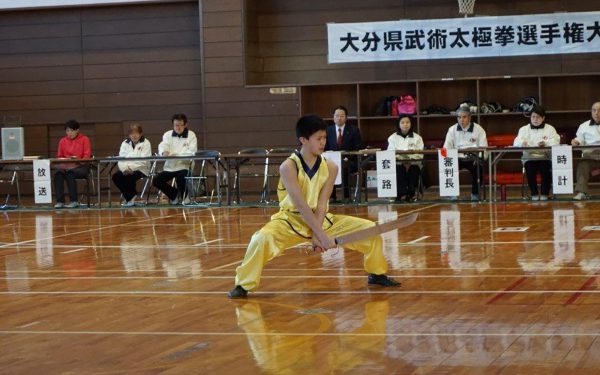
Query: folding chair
pixel 9 175
pixel 197 183
pixel 273 168
pixel 257 169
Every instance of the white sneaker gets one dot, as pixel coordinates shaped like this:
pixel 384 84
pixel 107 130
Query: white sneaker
pixel 453 199
pixel 535 197
pixel 72 205
pixel 543 197
pixel 474 197
pixel 186 201
pixel 130 203
pixel 59 205
pixel 174 201
pixel 580 196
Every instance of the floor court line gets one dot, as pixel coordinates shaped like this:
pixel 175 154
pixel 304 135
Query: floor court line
pixel 291 277
pixel 511 287
pixel 324 292
pixel 325 334
pixel 585 286
pixel 89 230
pixel 314 269
pixel 244 245
pixel 75 250
pixel 207 242
pixel 226 265
pixel 417 240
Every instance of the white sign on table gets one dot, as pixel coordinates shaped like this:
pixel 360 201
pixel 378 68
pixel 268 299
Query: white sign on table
pixel 42 182
pixel 562 169
pixel 386 174
pixel 448 173
pixel 336 158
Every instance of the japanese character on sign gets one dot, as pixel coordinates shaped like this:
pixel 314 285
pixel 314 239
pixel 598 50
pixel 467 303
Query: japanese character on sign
pixel 349 39
pixel 414 39
pixel 561 159
pixel 527 34
pixel 448 162
pixel 393 40
pixel 562 180
pixel 386 184
pixel 482 37
pixel 41 172
pixel 459 40
pixel 504 35
pixel 386 164
pixel 550 32
pixel 370 42
pixel 437 39
pixel 449 183
pixel 42 191
pixel 573 32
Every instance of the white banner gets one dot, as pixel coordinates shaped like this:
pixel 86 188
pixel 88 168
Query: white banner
pixel 42 182
pixel 562 169
pixel 448 173
pixel 386 174
pixel 336 158
pixel 533 34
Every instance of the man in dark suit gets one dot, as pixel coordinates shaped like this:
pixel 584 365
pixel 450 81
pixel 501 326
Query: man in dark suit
pixel 343 137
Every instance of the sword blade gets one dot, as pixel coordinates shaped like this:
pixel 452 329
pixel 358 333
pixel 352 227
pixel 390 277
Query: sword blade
pixel 377 229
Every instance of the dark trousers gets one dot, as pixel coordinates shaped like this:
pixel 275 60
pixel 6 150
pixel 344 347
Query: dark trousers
pixel 162 179
pixel 407 179
pixel 126 183
pixel 544 167
pixel 348 167
pixel 70 175
pixel 476 170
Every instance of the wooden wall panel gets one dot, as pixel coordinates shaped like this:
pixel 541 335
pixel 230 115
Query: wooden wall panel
pixel 236 116
pixel 105 67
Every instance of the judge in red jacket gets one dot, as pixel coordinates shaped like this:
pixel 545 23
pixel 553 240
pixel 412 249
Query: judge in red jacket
pixel 72 146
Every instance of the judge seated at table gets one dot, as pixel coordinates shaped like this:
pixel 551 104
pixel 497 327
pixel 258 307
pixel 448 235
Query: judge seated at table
pixel 73 145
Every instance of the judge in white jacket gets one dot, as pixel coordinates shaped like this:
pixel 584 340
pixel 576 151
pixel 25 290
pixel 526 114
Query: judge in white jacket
pixel 135 146
pixel 408 166
pixel 177 142
pixel 588 134
pixel 465 135
pixel 537 134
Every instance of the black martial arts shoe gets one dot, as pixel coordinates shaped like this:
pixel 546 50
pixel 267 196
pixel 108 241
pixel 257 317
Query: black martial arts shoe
pixel 237 292
pixel 382 280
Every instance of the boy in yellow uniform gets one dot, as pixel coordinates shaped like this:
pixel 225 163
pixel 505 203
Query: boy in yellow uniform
pixel 304 188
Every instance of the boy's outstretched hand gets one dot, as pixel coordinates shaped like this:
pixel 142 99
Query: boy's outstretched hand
pixel 322 242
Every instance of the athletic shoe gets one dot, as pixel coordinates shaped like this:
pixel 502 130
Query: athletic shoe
pixel 453 199
pixel 382 280
pixel 237 292
pixel 580 196
pixel 543 197
pixel 174 201
pixel 186 201
pixel 130 203
pixel 474 197
pixel 59 205
pixel 535 197
pixel 72 205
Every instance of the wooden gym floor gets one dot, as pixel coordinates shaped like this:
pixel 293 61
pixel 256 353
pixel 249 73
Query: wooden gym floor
pixel 142 291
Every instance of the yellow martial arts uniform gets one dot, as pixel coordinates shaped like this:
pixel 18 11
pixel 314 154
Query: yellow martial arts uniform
pixel 287 228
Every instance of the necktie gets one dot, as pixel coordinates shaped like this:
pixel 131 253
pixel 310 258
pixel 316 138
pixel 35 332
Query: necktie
pixel 339 138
